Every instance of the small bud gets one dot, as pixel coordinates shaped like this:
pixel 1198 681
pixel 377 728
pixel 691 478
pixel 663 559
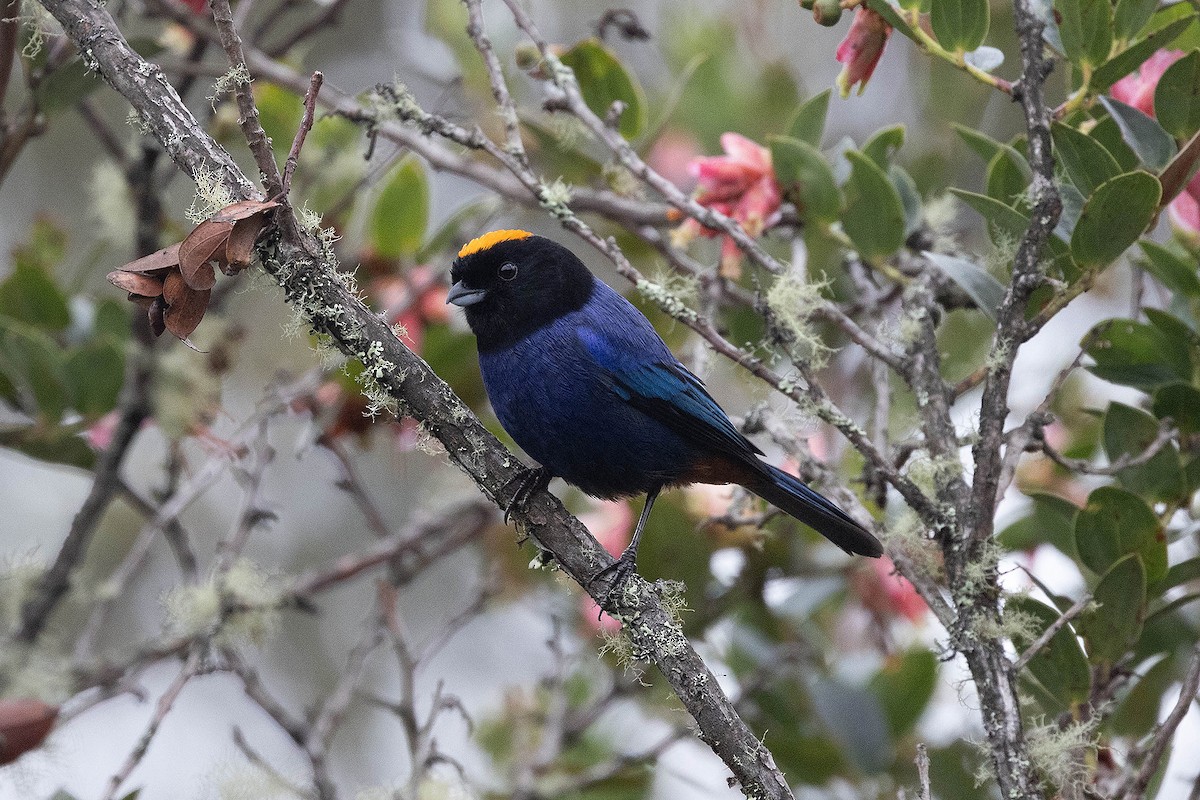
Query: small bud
pixel 527 56
pixel 827 12
pixel 807 4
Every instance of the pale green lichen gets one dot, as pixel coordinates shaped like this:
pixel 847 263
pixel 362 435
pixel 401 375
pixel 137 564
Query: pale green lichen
pixel 673 294
pixel 792 300
pixel 555 198
pixel 940 215
pixel 112 204
pixel 232 79
pixel 1062 752
pixel 211 196
pixel 242 605
pixel 622 181
pixel 244 781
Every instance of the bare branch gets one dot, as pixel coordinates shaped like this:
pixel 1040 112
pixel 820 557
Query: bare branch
pixel 1162 735
pixel 1075 610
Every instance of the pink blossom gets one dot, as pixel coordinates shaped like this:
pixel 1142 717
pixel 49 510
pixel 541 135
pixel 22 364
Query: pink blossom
pixel 860 51
pixel 99 434
pixel 1137 89
pixel 883 591
pixel 741 185
pixel 611 522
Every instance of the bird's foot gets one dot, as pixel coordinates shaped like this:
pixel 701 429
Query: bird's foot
pixel 614 577
pixel 530 482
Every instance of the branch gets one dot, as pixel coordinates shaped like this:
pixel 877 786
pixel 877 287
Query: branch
pixel 1075 610
pixel 310 282
pixel 1163 734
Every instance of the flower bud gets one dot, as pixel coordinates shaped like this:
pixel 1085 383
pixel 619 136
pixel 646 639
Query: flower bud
pixel 827 12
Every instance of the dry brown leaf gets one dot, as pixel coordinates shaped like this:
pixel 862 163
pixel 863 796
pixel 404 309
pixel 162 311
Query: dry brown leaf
pixel 162 259
pixel 182 318
pixel 240 247
pixel 206 242
pixel 173 288
pixel 24 724
pixel 137 283
pixel 242 209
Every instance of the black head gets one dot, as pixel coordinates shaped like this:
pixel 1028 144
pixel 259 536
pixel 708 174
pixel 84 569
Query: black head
pixel 510 283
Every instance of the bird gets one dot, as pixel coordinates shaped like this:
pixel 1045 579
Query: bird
pixel 583 383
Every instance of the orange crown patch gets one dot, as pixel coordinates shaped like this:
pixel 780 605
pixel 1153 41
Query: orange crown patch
pixel 490 240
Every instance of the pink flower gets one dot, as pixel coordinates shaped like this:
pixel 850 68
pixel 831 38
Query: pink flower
pixel 1184 212
pixel 884 592
pixel 859 52
pixel 1137 89
pixel 611 522
pixel 741 185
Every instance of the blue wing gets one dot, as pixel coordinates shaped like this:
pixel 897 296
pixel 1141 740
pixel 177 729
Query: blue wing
pixel 642 371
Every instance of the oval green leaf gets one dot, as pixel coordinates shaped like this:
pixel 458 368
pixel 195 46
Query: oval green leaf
pixel 603 80
pixel 806 178
pixel 1135 354
pixel 874 215
pixel 980 286
pixel 1114 524
pixel 1086 30
pixel 1060 666
pixel 1177 97
pixel 401 211
pixel 1129 432
pixel 1116 214
pixel 960 25
pixel 1087 162
pixel 1153 145
pixel 1111 630
pixel 809 123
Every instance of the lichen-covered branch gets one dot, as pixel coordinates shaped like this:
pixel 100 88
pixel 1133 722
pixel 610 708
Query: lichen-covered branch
pixel 307 274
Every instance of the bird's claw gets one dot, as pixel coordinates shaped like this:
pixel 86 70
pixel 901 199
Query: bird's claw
pixel 530 482
pixel 616 575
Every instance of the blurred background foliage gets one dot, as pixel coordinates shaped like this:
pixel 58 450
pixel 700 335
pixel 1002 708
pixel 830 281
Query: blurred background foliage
pixel 837 664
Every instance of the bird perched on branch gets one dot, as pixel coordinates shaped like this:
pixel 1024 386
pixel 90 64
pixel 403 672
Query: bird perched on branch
pixel 582 382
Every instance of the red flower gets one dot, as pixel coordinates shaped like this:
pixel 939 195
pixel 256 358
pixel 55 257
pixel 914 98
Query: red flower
pixel 741 185
pixel 859 52
pixel 1137 89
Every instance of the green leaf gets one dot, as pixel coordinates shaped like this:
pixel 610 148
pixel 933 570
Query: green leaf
pixel 983 145
pixel 1108 133
pixel 1060 667
pixel 1135 354
pixel 1113 218
pixel 1176 271
pixel 809 123
pixel 1007 177
pixel 1153 145
pixel 806 178
pixel 33 363
pixel 1138 711
pixel 1130 16
pixel 1086 30
pixel 1051 521
pixel 1177 97
pixel 1087 162
pixel 904 687
pixel 890 15
pixel 980 286
pixel 873 216
pixel 52 443
pixel 28 295
pixel 1179 574
pixel 1111 631
pixel 603 80
pixel 279 112
pixel 1129 431
pixel 883 144
pixel 910 198
pixel 1116 523
pixel 1005 223
pixel 1180 402
pixel 960 25
pixel 94 373
pixel 66 86
pixel 401 211
pixel 1127 61
pixel 855 718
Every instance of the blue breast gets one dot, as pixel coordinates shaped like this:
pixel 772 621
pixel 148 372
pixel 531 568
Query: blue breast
pixel 554 393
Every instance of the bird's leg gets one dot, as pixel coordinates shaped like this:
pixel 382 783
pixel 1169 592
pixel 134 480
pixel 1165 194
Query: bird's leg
pixel 530 482
pixel 626 565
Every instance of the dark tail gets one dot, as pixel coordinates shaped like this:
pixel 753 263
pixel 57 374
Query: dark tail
pixel 788 493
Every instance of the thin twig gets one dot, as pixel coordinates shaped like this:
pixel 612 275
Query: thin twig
pixel 1077 608
pixel 1163 734
pixel 310 105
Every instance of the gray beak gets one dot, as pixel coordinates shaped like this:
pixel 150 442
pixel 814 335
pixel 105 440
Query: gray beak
pixel 462 296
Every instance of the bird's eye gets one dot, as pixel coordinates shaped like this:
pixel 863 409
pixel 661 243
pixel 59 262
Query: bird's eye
pixel 508 271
